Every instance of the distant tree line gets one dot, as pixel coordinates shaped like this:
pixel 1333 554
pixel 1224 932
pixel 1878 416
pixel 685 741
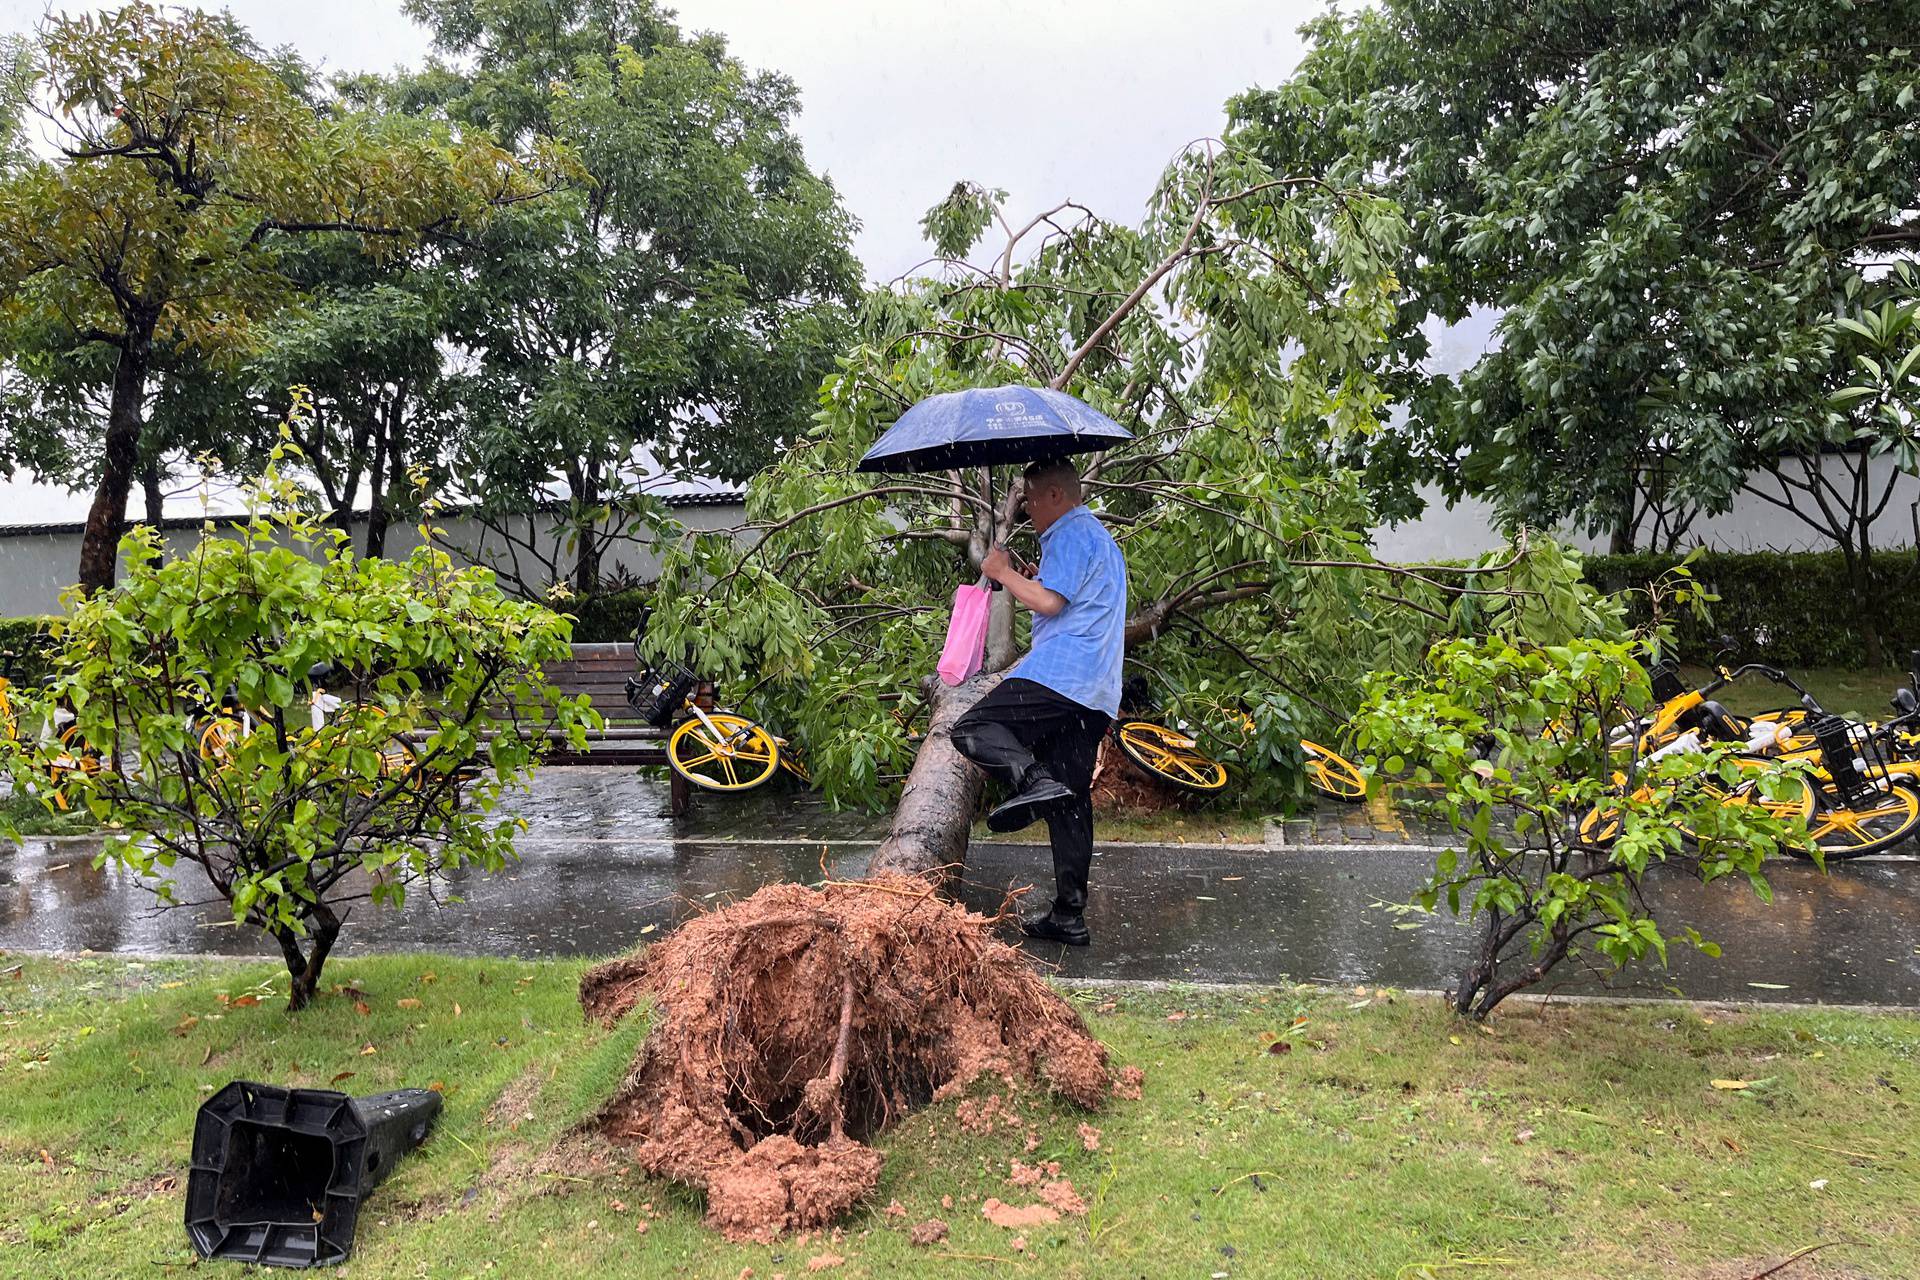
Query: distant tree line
pixel 1691 217
pixel 581 251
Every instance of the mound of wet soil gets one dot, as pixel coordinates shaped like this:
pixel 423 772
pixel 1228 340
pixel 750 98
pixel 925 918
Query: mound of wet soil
pixel 789 1027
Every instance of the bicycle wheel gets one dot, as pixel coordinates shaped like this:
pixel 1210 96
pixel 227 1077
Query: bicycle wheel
pixel 217 737
pixel 398 757
pixel 1171 756
pixel 790 761
pixel 1841 829
pixel 735 754
pixel 1601 827
pixel 1796 806
pixel 76 755
pixel 1332 774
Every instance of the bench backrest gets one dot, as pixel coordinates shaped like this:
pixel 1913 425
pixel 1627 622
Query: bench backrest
pixel 600 671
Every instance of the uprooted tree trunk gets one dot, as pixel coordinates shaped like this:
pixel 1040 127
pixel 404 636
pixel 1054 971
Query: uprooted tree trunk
pixel 304 965
pixel 930 826
pixel 788 1029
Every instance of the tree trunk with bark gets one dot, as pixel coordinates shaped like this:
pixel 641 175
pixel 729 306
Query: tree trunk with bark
pixel 304 966
pixel 931 825
pixel 107 518
pixel 586 552
pixel 156 497
pixel 383 480
pixel 1866 602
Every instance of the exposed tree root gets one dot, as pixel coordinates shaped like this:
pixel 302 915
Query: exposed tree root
pixel 792 1025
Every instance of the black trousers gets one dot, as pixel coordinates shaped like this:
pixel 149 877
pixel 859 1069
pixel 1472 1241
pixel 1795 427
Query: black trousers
pixel 1021 725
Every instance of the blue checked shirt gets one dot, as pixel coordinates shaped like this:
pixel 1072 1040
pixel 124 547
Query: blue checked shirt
pixel 1078 652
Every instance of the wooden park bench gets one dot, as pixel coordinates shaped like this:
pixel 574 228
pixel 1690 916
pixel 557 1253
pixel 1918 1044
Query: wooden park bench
pixel 600 671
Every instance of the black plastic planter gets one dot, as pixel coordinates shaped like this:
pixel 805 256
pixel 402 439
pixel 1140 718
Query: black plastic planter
pixel 278 1174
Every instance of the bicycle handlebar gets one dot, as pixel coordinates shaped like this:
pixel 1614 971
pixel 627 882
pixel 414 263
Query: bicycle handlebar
pixel 1772 673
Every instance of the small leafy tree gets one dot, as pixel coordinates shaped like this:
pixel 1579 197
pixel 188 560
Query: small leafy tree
pixel 675 301
pixel 187 164
pixel 292 823
pixel 1515 739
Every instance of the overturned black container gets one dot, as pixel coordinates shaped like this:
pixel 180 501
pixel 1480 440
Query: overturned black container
pixel 279 1174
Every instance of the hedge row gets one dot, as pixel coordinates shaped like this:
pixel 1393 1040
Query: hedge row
pixel 27 640
pixel 609 617
pixel 1792 609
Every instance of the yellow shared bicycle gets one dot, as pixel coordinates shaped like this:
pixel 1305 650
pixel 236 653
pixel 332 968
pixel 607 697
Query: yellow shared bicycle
pixel 1861 785
pixel 76 756
pixel 722 751
pixel 1174 757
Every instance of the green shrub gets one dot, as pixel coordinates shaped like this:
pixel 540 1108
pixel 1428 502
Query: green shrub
pixel 602 618
pixel 28 641
pixel 378 776
pixel 1514 737
pixel 1789 608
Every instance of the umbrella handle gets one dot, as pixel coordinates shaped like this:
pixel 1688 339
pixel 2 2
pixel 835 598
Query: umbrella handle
pixel 1019 562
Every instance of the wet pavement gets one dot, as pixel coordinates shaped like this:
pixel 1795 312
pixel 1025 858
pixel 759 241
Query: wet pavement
pixel 601 869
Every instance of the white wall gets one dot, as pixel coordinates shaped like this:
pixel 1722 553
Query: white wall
pixel 36 567
pixel 1751 524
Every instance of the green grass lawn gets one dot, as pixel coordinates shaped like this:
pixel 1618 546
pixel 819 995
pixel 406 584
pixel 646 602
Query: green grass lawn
pixel 1387 1139
pixel 1861 694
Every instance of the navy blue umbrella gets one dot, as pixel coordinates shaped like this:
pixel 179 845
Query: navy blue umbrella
pixel 991 425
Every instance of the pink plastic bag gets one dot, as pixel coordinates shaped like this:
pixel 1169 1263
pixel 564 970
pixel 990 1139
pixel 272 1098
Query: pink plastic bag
pixel 966 647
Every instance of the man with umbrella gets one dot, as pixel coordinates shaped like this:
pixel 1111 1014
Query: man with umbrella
pixel 1039 731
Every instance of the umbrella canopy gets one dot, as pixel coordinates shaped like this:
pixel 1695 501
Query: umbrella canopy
pixel 990 425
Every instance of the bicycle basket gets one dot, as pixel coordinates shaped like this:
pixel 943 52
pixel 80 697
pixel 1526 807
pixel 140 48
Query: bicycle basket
pixel 658 693
pixel 1852 755
pixel 1667 684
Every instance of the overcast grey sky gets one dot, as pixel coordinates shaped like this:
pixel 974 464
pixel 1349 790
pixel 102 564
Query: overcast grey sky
pixel 1052 99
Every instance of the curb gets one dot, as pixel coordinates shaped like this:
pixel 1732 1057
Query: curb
pixel 1520 997
pixel 1114 984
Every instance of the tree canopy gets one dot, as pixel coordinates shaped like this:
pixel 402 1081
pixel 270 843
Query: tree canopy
pixel 1666 204
pixel 676 299
pixel 185 162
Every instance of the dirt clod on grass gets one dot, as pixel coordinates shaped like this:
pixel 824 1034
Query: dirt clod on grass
pixel 1012 1216
pixel 789 1027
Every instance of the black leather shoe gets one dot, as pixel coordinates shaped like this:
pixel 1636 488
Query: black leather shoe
pixel 1052 926
pixel 1029 806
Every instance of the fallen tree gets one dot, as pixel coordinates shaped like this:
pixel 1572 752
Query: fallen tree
pixel 1233 332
